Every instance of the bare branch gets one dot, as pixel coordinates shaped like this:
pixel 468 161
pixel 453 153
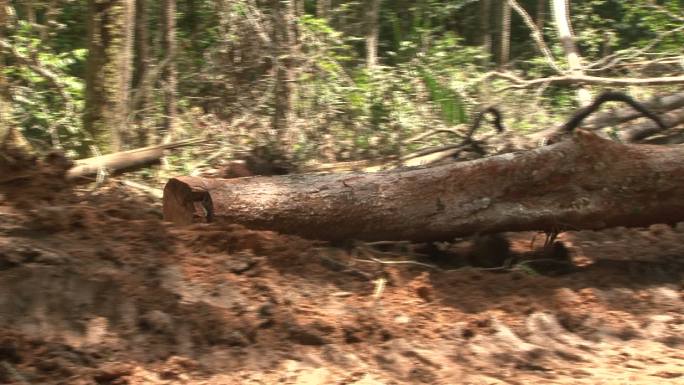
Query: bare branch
pixel 435 132
pixel 536 35
pixel 586 79
pixel 614 59
pixel 665 11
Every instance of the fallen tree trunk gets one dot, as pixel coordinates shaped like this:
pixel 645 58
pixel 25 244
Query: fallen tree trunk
pixel 125 160
pixel 586 182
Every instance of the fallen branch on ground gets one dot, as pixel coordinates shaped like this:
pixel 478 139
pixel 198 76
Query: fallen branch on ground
pixel 125 160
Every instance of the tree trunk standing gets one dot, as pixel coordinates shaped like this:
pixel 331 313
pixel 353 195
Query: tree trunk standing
pixel 108 72
pixel 141 66
pixel 323 9
pixel 372 32
pixel 30 12
pixel 562 19
pixel 285 93
pixel 51 13
pixel 5 111
pixel 541 15
pixel 486 29
pixel 169 76
pixel 583 183
pixel 505 54
pixel 300 8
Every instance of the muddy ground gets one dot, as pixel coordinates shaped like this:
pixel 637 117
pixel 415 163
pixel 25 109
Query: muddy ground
pixel 97 289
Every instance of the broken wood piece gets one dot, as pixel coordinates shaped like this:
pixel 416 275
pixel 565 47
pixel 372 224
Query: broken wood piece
pixel 585 182
pixel 125 160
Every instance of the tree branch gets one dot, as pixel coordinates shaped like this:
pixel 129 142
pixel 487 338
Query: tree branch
pixel 536 35
pixel 611 61
pixel 586 79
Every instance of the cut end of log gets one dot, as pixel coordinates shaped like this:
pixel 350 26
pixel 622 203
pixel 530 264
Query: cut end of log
pixel 184 205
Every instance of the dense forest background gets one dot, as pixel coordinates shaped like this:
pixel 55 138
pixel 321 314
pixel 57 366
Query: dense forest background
pixel 320 80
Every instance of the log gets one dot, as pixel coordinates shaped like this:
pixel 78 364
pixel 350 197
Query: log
pixel 585 182
pixel 119 162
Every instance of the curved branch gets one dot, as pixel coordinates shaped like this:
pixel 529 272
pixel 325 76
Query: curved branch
pixel 577 119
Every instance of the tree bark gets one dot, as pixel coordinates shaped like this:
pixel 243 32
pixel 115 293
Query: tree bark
pixel 323 9
pixel 583 183
pixel 505 53
pixel 372 32
pixel 109 70
pixel 541 14
pixel 486 29
pixel 285 93
pixel 563 27
pixel 169 76
pixel 4 88
pixel 140 68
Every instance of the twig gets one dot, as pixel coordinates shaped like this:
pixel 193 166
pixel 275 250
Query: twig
pixel 379 288
pixel 435 132
pixel 614 59
pixel 664 11
pixel 586 79
pixel 432 150
pixel 385 262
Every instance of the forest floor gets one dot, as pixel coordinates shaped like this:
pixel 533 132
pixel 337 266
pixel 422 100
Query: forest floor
pixel 96 289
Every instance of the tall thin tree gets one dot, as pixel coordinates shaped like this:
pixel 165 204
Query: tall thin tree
pixel 372 33
pixel 4 92
pixel 486 28
pixel 505 53
pixel 284 54
pixel 108 72
pixel 541 14
pixel 140 71
pixel 170 76
pixel 323 9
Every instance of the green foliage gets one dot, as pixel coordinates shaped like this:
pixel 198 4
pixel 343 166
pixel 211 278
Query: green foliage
pixel 613 25
pixel 46 108
pixel 430 59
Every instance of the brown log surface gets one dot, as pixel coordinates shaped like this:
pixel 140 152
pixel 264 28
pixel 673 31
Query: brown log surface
pixel 586 182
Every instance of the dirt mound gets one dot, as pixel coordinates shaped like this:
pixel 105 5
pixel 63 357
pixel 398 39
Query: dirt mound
pixel 98 290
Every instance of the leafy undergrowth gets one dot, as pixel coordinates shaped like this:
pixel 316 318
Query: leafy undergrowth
pixel 96 289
